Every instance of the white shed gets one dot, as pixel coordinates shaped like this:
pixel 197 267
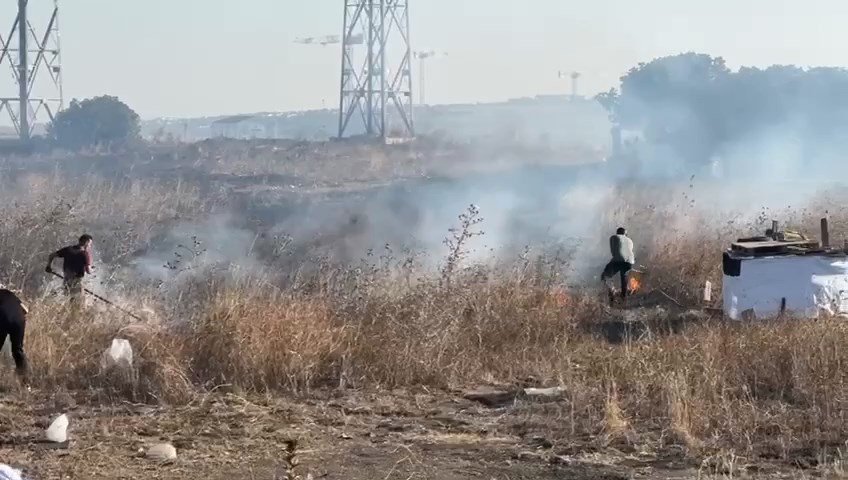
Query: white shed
pixel 764 279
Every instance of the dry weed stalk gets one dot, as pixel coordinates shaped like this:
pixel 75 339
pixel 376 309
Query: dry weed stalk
pixel 615 423
pixel 457 241
pixel 680 411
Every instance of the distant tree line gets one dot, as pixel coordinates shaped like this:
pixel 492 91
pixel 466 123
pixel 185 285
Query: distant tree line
pixel 697 109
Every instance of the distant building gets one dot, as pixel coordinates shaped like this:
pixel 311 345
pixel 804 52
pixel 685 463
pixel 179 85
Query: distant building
pixel 244 127
pixel 554 121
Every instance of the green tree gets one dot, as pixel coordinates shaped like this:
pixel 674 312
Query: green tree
pixel 609 100
pixel 101 121
pixel 691 109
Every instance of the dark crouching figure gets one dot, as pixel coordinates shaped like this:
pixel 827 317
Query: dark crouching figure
pixel 13 325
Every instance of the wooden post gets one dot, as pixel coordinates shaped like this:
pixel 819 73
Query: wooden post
pixel 825 234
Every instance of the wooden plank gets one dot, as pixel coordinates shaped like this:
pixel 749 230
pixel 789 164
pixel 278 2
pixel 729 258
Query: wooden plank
pixel 825 233
pixel 770 243
pixel 753 239
pixel 775 247
pixel 775 243
pixel 816 249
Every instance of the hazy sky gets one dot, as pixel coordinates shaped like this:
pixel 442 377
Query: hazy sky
pixel 199 57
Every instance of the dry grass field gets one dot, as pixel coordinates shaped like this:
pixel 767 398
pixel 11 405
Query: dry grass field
pixel 365 365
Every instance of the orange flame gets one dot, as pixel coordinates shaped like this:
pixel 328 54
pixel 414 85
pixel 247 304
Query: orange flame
pixel 634 284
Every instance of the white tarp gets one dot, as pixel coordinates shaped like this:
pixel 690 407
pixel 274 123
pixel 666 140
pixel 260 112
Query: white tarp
pixel 810 285
pixel 9 473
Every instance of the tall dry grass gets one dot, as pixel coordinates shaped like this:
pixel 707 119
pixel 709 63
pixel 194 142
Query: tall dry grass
pixel 50 211
pixel 778 386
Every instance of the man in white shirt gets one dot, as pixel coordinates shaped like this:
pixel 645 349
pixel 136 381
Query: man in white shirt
pixel 621 248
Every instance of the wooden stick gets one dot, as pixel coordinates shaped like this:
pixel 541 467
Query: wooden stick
pixel 107 302
pixel 825 233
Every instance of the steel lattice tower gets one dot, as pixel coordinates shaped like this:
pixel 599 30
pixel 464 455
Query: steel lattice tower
pixel 376 85
pixel 34 58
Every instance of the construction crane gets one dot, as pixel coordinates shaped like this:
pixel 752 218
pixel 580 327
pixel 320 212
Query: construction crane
pixel 574 77
pixel 323 41
pixel 329 40
pixel 422 56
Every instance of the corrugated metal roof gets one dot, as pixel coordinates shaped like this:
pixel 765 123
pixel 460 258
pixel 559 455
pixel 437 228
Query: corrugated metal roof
pixel 233 119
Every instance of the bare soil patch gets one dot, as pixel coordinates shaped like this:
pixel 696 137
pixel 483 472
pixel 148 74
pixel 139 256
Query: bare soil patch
pixel 393 435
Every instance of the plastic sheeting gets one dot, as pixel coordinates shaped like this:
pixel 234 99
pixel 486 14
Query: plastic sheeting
pixel 9 473
pixel 809 285
pixel 119 354
pixel 58 430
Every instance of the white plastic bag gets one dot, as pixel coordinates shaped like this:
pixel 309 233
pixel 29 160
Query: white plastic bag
pixel 162 452
pixel 9 473
pixel 119 354
pixel 58 430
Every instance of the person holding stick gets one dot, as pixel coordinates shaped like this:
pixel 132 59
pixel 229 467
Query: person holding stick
pixel 76 264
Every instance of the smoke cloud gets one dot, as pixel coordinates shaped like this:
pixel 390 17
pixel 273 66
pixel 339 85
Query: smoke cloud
pixel 697 137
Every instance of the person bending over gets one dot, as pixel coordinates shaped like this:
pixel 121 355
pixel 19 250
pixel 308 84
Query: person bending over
pixel 621 248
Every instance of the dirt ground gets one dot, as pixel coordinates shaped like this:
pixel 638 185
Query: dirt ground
pixel 388 435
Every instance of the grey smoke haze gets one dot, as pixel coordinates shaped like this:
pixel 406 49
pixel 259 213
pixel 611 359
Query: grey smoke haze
pixel 569 207
pixel 524 206
pixel 691 113
pixel 215 242
pixel 704 138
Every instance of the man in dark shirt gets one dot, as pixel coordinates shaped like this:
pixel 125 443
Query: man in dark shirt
pixel 76 263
